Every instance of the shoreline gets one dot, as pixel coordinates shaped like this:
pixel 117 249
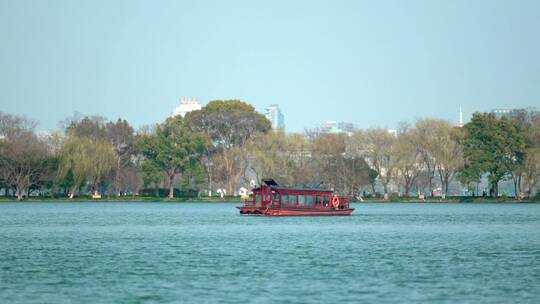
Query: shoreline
pixel 129 199
pixel 124 199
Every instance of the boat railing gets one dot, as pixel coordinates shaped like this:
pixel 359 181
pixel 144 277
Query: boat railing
pixel 251 203
pixel 344 203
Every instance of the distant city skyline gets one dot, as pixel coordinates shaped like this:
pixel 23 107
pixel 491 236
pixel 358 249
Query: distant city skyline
pixel 276 117
pixel 371 63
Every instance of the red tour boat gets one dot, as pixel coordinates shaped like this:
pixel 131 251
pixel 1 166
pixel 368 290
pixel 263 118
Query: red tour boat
pixel 272 199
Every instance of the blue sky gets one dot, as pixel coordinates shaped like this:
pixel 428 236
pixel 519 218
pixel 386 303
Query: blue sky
pixel 373 63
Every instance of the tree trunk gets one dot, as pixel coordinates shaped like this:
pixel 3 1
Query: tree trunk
pixel 22 186
pixel 517 188
pixel 445 186
pixel 230 186
pixel 96 187
pixel 209 182
pixel 171 191
pixel 171 184
pixel 117 177
pixel 385 185
pixel 408 186
pixel 495 189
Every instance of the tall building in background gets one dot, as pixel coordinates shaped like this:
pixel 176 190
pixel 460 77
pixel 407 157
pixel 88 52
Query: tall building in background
pixel 514 113
pixel 502 112
pixel 334 127
pixel 275 116
pixel 186 105
pixel 329 126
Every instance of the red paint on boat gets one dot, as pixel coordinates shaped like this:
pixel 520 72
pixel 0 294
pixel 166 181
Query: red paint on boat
pixel 271 199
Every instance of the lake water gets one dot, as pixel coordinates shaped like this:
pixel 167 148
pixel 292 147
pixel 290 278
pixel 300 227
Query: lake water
pixel 208 253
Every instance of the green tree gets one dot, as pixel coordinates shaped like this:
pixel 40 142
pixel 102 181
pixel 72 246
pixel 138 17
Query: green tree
pixel 494 146
pixel 230 124
pixel 152 175
pixel 171 149
pixel 92 127
pixel 470 177
pixel 526 175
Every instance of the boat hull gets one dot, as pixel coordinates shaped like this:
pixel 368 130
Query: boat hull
pixel 295 211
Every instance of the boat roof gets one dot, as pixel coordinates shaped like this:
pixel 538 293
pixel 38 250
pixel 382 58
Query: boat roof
pixel 303 189
pixel 313 186
pixel 270 182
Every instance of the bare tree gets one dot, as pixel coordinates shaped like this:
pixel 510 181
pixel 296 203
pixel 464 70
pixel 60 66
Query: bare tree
pixel 23 156
pixel 408 159
pixel 423 139
pixel 447 152
pixel 121 136
pixel 377 146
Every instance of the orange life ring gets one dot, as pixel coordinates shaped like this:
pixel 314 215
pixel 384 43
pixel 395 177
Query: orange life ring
pixel 335 202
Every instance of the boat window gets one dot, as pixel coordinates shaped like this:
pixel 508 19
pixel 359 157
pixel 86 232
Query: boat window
pixel 327 200
pixel 319 200
pixel 258 198
pixel 292 200
pixel 301 200
pixel 309 200
pixel 285 200
pixel 276 197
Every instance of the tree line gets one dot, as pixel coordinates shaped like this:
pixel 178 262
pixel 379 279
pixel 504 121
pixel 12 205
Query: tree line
pixel 227 145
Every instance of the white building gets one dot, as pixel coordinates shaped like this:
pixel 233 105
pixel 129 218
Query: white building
pixel 392 132
pixel 275 116
pixel 186 105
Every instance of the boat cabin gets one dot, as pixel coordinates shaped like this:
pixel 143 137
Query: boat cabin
pixel 312 196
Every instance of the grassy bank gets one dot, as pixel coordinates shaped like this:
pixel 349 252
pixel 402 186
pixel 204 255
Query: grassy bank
pixel 453 199
pixel 88 198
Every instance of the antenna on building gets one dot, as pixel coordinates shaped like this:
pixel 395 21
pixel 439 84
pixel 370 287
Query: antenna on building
pixel 460 117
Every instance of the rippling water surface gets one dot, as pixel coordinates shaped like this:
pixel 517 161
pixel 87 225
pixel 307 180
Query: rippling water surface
pixel 207 253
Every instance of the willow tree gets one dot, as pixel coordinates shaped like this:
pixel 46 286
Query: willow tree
pixel 171 149
pixel 82 160
pixel 271 156
pixel 119 134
